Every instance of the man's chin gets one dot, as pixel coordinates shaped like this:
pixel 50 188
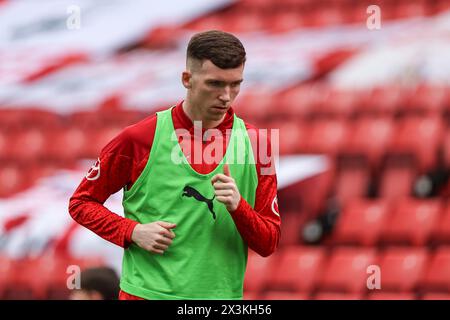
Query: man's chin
pixel 217 113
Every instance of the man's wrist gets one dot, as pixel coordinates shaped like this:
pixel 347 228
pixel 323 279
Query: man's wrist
pixel 130 231
pixel 238 205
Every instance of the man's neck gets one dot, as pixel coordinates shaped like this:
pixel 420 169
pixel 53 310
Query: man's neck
pixel 190 112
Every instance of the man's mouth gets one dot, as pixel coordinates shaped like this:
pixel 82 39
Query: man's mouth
pixel 220 108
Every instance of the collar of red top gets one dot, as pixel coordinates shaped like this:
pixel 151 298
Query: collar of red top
pixel 186 123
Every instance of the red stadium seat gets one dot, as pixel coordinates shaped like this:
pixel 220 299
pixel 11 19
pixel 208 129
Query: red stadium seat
pixel 293 222
pixel 245 21
pixel 328 15
pixel 412 222
pixel 352 182
pixel 391 296
pixel 361 222
pixel 87 120
pixel 441 233
pixel 292 135
pixel 11 119
pixel 346 270
pixel 5 139
pixel 437 275
pixel 370 137
pixel 12 180
pixel 298 101
pixel 29 145
pixel 383 100
pixel 327 136
pixel 402 268
pixel 209 22
pixel 259 270
pixel 283 21
pixel 410 9
pixel 428 98
pixel 98 139
pixel 122 118
pixel 419 137
pixel 253 105
pixel 397 181
pixel 340 102
pixel 446 148
pixel 299 268
pixel 67 144
pixel 40 118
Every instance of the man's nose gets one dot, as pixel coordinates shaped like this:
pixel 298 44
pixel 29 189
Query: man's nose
pixel 225 95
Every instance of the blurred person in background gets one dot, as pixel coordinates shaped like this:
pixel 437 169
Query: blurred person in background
pixel 101 283
pixel 188 225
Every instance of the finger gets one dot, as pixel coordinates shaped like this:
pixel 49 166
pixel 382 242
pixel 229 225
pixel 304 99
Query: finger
pixel 220 177
pixel 225 193
pixel 164 240
pixel 160 247
pixel 223 185
pixel 157 251
pixel 167 225
pixel 223 199
pixel 226 170
pixel 167 233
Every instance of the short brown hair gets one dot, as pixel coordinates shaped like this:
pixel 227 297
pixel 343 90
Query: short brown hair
pixel 223 49
pixel 101 279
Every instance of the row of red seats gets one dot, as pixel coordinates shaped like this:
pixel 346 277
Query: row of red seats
pixel 301 101
pixel 358 270
pixel 320 3
pixel 62 144
pixel 317 99
pixel 405 221
pixel 17 177
pixel 17 119
pixel 347 183
pixel 395 181
pixel 373 137
pixel 370 136
pixel 278 18
pixel 45 277
pixel 286 295
pixel 369 222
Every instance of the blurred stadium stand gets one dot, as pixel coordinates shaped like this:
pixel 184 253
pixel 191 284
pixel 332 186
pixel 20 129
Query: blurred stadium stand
pixel 375 103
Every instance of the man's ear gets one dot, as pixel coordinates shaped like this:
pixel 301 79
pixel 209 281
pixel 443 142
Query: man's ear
pixel 186 79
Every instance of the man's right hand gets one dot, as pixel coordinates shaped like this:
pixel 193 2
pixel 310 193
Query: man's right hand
pixel 154 237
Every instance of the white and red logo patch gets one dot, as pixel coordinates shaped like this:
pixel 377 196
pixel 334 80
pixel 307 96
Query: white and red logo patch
pixel 94 171
pixel 275 206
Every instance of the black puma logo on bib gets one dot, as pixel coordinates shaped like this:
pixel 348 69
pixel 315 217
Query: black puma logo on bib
pixel 189 192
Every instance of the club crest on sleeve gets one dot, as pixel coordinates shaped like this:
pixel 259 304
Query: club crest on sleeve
pixel 94 171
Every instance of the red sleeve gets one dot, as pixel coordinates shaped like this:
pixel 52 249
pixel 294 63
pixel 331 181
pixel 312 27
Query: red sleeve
pixel 260 226
pixel 118 165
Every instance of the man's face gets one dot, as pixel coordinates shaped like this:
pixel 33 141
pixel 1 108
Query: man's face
pixel 212 90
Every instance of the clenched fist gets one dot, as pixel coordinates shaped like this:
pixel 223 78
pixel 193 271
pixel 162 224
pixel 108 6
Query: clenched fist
pixel 226 190
pixel 154 237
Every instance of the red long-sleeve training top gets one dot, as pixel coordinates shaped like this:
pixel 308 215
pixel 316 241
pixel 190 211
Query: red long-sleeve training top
pixel 123 159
